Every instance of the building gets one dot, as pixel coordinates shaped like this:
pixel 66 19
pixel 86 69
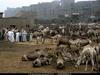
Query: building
pixel 58 9
pixel 67 6
pixel 46 11
pixel 84 8
pixel 96 9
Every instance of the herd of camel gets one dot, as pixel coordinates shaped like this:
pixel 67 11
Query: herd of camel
pixel 78 50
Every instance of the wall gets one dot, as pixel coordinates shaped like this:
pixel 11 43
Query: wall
pixel 18 22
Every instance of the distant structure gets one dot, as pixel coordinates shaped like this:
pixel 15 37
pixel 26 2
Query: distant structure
pixel 97 9
pixel 46 11
pixel 67 6
pixel 84 10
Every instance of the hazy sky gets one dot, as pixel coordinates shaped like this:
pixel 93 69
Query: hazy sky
pixel 18 3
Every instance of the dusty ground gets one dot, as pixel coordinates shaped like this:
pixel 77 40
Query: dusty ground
pixel 10 60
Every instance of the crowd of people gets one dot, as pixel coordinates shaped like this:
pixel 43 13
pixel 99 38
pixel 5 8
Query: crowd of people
pixel 14 35
pixel 22 35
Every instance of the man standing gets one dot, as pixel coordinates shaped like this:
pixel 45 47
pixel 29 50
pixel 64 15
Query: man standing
pixel 24 34
pixel 10 36
pixel 17 36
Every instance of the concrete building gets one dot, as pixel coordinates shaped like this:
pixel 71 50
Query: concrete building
pixel 96 9
pixel 85 10
pixel 67 6
pixel 88 10
pixel 57 9
pixel 46 11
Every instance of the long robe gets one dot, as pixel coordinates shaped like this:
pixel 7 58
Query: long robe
pixel 10 35
pixel 31 36
pixel 24 36
pixel 17 37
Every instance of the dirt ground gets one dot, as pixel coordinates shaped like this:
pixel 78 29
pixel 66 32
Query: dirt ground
pixel 10 60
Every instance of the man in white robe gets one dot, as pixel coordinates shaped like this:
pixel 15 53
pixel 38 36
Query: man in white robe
pixel 10 35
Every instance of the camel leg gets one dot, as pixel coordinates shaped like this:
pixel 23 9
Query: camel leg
pixel 86 65
pixel 97 62
pixel 78 62
pixel 92 64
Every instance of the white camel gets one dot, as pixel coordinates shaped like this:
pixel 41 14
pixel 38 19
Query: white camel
pixel 88 53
